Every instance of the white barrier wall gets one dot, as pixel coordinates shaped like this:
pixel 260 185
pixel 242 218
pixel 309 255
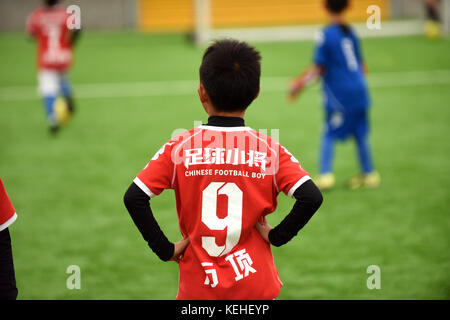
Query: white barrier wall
pixel 95 14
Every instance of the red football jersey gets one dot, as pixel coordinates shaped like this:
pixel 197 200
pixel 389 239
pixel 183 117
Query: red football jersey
pixel 7 213
pixel 49 27
pixel 225 179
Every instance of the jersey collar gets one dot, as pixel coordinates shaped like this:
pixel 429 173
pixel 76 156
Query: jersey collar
pixel 220 121
pixel 229 124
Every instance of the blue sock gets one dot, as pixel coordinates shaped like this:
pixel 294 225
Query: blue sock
pixel 66 91
pixel 326 154
pixel 364 154
pixel 49 102
pixel 65 88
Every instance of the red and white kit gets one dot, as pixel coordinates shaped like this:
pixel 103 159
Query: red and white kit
pixel 49 27
pixel 7 213
pixel 54 48
pixel 225 179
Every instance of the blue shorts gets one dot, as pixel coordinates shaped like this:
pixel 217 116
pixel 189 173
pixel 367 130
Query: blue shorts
pixel 340 125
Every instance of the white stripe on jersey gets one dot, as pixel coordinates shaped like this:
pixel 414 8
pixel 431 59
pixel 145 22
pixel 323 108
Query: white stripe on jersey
pixel 298 184
pixel 8 222
pixel 143 187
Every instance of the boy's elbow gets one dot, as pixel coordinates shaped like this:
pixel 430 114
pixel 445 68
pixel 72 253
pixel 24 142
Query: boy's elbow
pixel 129 198
pixel 317 200
pixel 316 197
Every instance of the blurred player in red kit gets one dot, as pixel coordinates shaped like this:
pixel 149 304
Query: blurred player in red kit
pixel 226 177
pixel 8 289
pixel 49 26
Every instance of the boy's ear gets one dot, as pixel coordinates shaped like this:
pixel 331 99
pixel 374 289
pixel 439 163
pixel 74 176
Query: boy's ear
pixel 202 94
pixel 259 90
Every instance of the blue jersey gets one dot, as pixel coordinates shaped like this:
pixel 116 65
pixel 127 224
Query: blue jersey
pixel 344 84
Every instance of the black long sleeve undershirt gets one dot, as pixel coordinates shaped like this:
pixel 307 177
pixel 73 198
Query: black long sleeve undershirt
pixel 75 36
pixel 309 198
pixel 138 205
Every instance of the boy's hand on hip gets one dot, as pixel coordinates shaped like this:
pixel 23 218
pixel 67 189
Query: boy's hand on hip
pixel 178 251
pixel 264 229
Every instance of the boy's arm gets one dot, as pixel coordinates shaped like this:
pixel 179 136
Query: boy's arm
pixel 137 203
pixel 74 36
pixel 305 78
pixel 359 55
pixel 30 26
pixel 321 53
pixel 364 67
pixel 309 198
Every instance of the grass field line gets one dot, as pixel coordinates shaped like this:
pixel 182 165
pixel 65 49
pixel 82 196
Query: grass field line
pixel 187 87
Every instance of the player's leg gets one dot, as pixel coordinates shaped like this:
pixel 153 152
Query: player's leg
pixel 49 88
pixel 66 91
pixel 326 180
pixel 8 289
pixel 432 23
pixel 364 154
pixel 368 177
pixel 326 153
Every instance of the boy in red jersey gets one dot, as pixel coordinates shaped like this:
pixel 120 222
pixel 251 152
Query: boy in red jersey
pixel 48 25
pixel 8 289
pixel 226 179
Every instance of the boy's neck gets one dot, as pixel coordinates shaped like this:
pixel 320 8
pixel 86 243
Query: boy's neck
pixel 224 121
pixel 237 114
pixel 337 19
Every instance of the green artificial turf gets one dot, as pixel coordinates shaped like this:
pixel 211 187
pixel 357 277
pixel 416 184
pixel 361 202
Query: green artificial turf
pixel 68 190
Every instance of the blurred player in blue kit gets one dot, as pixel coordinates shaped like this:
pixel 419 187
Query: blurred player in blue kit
pixel 338 62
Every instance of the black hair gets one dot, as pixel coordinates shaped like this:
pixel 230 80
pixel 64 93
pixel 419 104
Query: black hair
pixel 336 6
pixel 51 3
pixel 230 73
